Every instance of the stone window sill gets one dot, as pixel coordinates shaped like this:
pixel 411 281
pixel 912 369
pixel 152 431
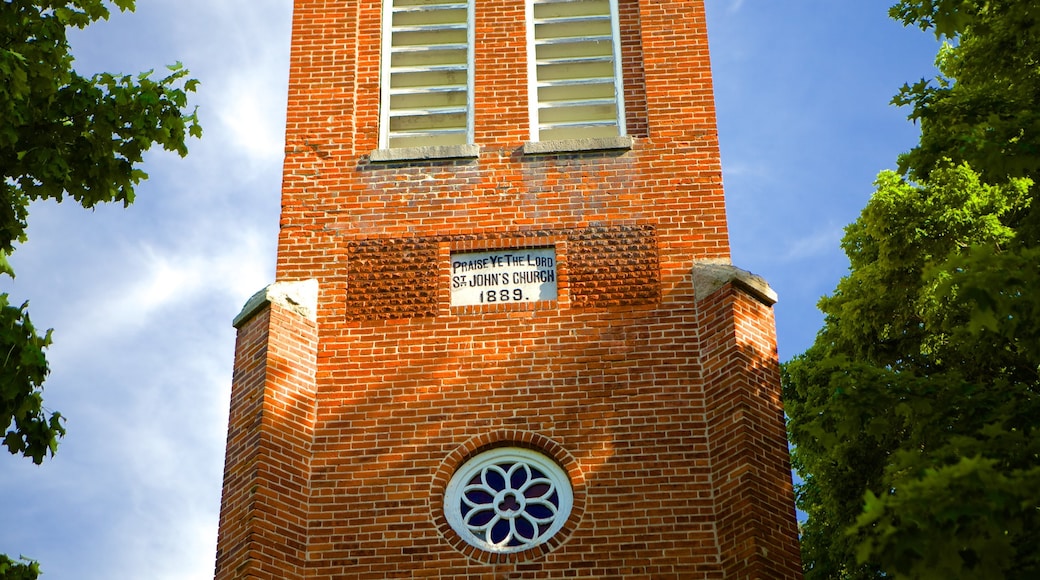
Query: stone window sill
pixel 577 145
pixel 424 153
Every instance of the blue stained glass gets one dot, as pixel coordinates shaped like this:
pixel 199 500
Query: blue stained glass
pixel 509 505
pixel 525 529
pixel 495 479
pixel 481 518
pixel 479 496
pixel 539 511
pixel 537 490
pixel 500 531
pixel 518 478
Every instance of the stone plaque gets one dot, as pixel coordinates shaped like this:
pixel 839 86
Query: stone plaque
pixel 503 276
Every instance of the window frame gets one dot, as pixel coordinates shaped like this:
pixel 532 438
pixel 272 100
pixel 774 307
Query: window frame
pixel 387 151
pixel 621 139
pixel 459 484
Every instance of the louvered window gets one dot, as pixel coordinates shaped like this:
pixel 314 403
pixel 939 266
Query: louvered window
pixel 575 69
pixel 427 82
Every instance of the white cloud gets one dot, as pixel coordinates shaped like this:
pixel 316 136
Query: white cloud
pixel 152 279
pixel 821 241
pixel 246 112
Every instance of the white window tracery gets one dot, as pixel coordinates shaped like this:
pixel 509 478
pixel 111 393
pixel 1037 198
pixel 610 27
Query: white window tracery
pixel 508 500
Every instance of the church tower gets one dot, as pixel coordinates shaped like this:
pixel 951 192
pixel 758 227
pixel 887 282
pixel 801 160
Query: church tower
pixel 505 339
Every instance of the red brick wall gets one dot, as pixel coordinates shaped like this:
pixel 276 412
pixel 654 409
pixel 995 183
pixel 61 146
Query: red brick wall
pixel 263 515
pixel 750 472
pixel 332 193
pixel 663 410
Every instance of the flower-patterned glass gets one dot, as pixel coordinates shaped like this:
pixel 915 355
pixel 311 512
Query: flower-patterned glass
pixel 508 500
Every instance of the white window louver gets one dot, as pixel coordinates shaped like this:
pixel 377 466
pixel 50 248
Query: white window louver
pixel 427 84
pixel 575 69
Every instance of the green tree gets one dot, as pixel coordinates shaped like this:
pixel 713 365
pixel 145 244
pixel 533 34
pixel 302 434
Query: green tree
pixel 914 413
pixel 63 135
pixel 24 570
pixel 982 107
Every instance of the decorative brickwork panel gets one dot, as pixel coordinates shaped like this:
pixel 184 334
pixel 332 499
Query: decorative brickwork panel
pixel 394 278
pixel 614 266
pixel 398 278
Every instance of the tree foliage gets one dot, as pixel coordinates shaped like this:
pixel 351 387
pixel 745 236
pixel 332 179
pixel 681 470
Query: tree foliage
pixel 982 107
pixel 914 414
pixel 23 570
pixel 62 136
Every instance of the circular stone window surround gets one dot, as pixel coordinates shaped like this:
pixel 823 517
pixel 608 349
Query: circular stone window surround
pixel 508 499
pixel 542 457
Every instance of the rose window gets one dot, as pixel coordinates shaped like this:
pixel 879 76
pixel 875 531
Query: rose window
pixel 508 500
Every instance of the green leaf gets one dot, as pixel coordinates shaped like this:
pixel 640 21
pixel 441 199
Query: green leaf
pixel 5 265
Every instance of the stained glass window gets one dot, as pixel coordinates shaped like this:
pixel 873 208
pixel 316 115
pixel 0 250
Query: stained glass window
pixel 508 500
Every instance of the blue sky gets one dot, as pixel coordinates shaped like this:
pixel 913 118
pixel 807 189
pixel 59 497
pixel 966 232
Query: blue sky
pixel 142 299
